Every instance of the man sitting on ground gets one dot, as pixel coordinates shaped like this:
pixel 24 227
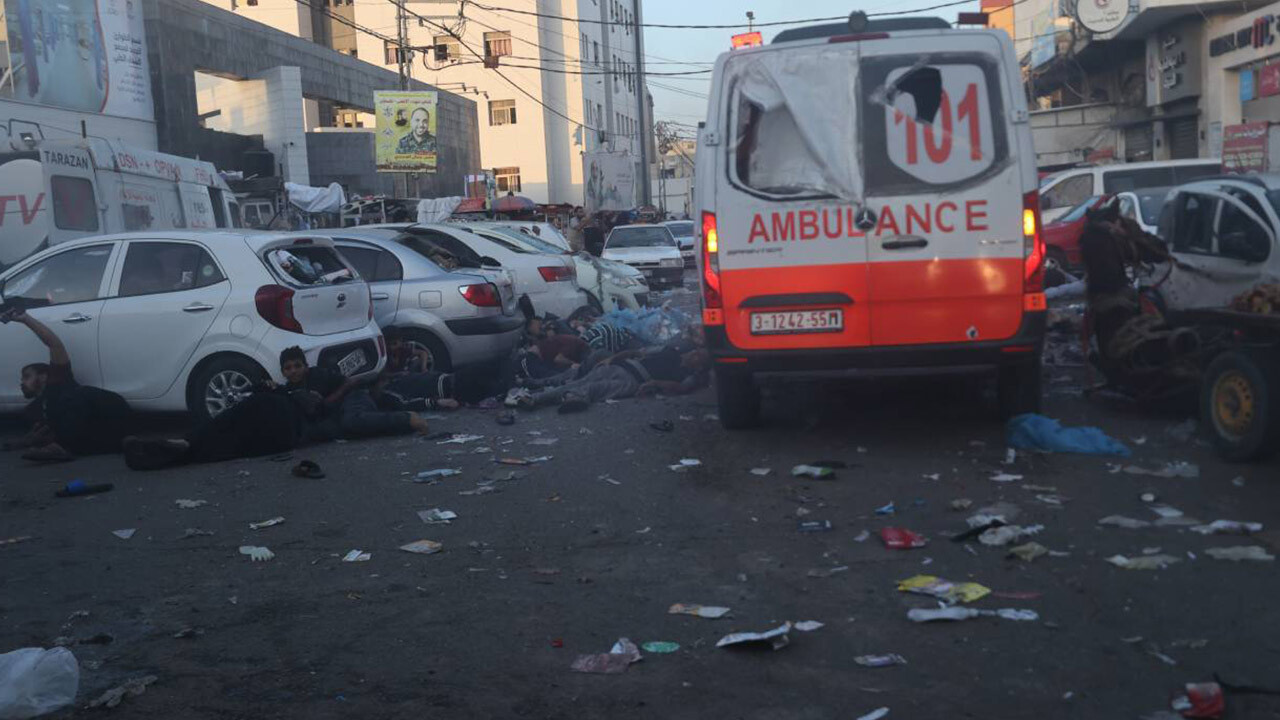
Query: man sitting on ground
pixel 343 408
pixel 66 419
pixel 406 384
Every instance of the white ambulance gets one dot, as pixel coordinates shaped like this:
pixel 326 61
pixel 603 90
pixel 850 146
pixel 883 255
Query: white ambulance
pixel 65 189
pixel 868 202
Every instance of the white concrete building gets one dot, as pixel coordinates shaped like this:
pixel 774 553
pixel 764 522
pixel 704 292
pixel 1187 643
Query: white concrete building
pixel 568 85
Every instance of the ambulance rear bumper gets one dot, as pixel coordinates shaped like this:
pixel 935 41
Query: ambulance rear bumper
pixel 1024 347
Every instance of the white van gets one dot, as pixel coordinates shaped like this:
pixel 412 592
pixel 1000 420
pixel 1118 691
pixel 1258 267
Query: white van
pixel 1064 190
pixel 868 203
pixel 66 189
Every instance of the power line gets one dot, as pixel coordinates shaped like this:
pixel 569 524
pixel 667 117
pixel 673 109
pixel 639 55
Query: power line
pixel 562 71
pixel 651 25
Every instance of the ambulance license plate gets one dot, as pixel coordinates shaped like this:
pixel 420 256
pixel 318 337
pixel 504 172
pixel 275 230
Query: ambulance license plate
pixel 804 321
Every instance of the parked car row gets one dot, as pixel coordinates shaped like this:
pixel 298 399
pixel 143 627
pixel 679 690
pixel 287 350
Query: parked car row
pixel 192 320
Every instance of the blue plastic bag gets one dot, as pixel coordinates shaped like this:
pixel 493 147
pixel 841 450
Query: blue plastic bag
pixel 1037 432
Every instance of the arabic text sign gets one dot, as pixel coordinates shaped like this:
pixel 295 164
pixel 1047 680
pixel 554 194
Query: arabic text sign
pixel 405 131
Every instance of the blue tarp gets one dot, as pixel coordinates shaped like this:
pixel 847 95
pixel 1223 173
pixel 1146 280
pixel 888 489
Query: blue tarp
pixel 653 326
pixel 1037 432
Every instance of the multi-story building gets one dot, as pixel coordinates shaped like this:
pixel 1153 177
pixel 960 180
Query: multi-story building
pixel 558 83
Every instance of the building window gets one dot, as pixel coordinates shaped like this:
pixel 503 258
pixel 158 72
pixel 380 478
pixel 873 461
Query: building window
pixel 586 47
pixel 251 3
pixel 391 53
pixel 452 48
pixel 497 44
pixel 508 179
pixel 502 112
pixel 595 51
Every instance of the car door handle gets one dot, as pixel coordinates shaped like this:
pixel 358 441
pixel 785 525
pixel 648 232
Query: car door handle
pixel 197 307
pixel 381 296
pixel 75 318
pixel 904 244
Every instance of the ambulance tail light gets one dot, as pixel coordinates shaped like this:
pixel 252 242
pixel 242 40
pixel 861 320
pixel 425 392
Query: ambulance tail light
pixel 1032 244
pixel 712 302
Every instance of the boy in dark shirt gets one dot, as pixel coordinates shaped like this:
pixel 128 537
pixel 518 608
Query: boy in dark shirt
pixel 336 406
pixel 66 418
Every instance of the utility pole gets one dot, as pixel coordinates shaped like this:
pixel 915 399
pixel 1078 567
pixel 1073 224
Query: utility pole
pixel 646 187
pixel 402 43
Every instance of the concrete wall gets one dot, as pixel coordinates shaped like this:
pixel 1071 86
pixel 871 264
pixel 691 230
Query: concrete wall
pixel 270 105
pixel 186 36
pixel 346 157
pixel 1061 135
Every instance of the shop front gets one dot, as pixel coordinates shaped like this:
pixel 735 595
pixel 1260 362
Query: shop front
pixel 1244 67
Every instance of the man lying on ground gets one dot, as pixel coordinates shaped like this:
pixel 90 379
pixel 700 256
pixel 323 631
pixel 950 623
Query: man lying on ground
pixel 406 384
pixel 66 419
pixel 315 405
pixel 627 374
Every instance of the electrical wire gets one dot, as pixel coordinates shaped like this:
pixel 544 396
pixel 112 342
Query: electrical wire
pixel 734 26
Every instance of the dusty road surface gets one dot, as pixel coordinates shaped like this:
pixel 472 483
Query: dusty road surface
pixel 596 543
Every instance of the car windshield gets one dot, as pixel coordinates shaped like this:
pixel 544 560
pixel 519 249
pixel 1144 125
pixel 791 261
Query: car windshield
pixel 1078 211
pixel 1152 202
pixel 635 237
pixel 538 244
pixel 681 229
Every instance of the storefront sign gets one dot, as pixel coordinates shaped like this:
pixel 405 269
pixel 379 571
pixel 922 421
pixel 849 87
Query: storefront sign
pixel 1259 35
pixel 1269 81
pixel 1246 85
pixel 1244 147
pixel 1102 16
pixel 1173 64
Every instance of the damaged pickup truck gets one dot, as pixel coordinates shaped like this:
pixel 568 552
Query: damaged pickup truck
pixel 1198 311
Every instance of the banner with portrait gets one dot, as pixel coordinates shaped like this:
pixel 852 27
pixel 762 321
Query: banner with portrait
pixel 610 182
pixel 406 131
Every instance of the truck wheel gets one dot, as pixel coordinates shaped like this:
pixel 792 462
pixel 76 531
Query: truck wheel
pixel 220 384
pixel 1238 402
pixel 739 400
pixel 1018 388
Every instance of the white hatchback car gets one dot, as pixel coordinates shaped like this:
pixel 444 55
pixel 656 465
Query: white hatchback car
pixel 651 249
pixel 182 320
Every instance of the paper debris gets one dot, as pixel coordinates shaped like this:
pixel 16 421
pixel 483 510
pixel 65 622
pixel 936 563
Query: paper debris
pixel 256 553
pixel 266 523
pixel 421 547
pixel 189 504
pixel 776 638
pixel 356 556
pixel 711 612
pixel 436 516
pixel 124 534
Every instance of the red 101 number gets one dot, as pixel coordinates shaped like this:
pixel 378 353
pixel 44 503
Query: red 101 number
pixel 938 149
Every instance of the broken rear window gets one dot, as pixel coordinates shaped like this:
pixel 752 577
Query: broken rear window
pixel 932 121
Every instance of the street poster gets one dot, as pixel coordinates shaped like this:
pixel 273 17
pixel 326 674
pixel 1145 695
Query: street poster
pixel 1244 147
pixel 406 130
pixel 610 182
pixel 85 55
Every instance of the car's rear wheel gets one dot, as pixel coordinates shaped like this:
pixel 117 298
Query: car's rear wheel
pixel 1238 403
pixel 439 360
pixel 738 399
pixel 222 383
pixel 1018 389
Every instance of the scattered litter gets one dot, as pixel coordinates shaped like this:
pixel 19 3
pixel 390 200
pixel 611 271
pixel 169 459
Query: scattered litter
pixel 187 633
pixel 189 504
pixel 124 534
pixel 1151 550
pixel 1241 552
pixel 617 660
pixel 809 526
pixel 1238 481
pixel 776 638
pixel 685 464
pixel 711 612
pixel 76 488
pixel 460 439
pixel 1003 477
pixel 480 490
pixel 1140 440
pixel 1124 522
pixel 932 476
pixel 1037 432
pixel 1000 536
pixel 874 714
pixel 35 681
pixel 130 688
pixel 356 556
pixel 436 516
pixel 1201 700
pixel 195 532
pixel 802 511
pixel 827 572
pixel 901 539
pixel 1146 562
pixel 421 547
pixel 1040 488
pixel 1147 497
pixel 961 504
pixel 1228 527
pixel 659 647
pixel 544 441
pixel 1029 551
pixel 945 590
pixel 879 661
pixel 962 613
pixel 266 523
pixel 1052 500
pixel 761 472
pixel 427 475
pixel 644 531
pixel 16 540
pixel 1166 511
pixel 812 471
pixel 1183 431
pixel 608 479
pixel 256 553
pixel 886 509
pixel 862 536
pixel 1179 469
pixel 807 625
pixel 1010 456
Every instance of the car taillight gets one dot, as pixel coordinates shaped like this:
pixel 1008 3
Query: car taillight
pixel 711 299
pixel 275 305
pixel 485 295
pixel 556 273
pixel 1032 244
